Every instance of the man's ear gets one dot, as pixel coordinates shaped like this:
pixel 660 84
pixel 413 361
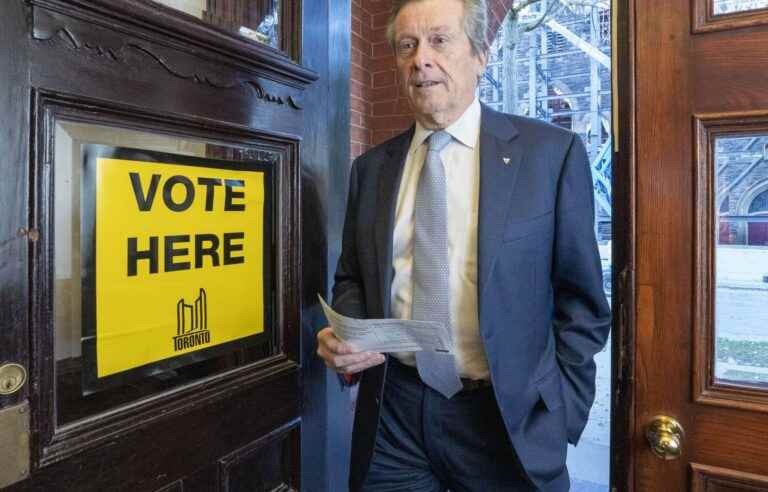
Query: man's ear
pixel 483 58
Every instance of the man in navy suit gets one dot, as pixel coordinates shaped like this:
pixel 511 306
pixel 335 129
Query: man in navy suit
pixel 508 204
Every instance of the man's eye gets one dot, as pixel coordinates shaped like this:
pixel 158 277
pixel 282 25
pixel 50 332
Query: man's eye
pixel 439 40
pixel 405 46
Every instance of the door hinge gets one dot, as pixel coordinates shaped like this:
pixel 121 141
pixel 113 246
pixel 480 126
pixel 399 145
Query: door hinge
pixel 31 234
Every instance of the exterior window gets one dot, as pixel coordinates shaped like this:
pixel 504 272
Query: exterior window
pixel 741 261
pixel 759 204
pixel 742 169
pixel 758 231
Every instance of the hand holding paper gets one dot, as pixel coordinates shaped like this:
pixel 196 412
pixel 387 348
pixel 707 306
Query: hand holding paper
pixel 387 335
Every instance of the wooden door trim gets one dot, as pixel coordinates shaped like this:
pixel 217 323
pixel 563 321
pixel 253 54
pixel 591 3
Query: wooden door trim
pixel 704 21
pixel 707 127
pixel 624 290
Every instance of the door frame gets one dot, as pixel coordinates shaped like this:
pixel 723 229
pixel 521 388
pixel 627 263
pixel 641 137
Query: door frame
pixel 624 238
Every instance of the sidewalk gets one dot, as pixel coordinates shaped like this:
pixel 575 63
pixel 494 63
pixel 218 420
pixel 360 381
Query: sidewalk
pixel 741 284
pixel 588 465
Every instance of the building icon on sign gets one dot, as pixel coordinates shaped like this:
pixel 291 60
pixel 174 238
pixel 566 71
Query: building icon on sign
pixel 192 323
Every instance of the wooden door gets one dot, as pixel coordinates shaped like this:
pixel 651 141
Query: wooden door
pixel 183 89
pixel 700 145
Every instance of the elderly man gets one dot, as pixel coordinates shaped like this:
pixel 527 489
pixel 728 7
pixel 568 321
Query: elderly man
pixel 484 222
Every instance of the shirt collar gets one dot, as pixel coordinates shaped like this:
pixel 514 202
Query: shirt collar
pixel 466 129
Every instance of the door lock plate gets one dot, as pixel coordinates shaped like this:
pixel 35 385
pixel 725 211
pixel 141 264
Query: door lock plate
pixel 14 444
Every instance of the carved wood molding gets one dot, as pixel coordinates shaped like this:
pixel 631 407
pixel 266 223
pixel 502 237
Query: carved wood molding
pixel 283 440
pixel 177 486
pixel 156 20
pixel 54 31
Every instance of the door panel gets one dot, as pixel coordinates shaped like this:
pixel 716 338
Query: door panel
pixel 713 479
pixel 14 228
pixel 700 113
pixel 134 75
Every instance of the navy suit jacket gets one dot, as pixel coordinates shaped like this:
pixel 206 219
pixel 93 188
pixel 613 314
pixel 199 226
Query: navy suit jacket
pixel 543 314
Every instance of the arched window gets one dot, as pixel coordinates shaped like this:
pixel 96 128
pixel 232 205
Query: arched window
pixel 760 204
pixel 560 110
pixel 758 231
pixel 726 205
pixel 726 233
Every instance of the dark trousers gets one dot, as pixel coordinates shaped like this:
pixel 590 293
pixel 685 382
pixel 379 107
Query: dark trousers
pixel 427 443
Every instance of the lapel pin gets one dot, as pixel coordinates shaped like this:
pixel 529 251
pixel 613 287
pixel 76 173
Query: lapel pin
pixel 505 159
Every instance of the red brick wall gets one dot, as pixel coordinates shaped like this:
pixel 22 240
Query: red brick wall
pixel 378 110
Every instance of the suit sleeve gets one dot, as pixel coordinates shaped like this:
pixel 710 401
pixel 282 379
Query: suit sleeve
pixel 348 290
pixel 582 316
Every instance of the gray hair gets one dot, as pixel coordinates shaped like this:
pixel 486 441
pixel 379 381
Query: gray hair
pixel 475 23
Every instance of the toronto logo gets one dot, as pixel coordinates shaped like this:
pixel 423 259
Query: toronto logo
pixel 191 323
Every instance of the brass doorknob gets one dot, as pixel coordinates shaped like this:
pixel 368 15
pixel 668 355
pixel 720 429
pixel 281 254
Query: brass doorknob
pixel 12 378
pixel 665 436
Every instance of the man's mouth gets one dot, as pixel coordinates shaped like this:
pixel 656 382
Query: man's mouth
pixel 425 84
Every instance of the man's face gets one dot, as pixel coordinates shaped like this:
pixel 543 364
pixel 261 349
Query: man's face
pixel 435 63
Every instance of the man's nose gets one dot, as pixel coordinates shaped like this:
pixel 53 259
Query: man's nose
pixel 423 57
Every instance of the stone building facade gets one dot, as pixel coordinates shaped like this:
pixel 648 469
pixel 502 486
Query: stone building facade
pixel 742 189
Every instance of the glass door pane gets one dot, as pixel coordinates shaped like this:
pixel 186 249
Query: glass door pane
pixel 257 20
pixel 723 7
pixel 741 256
pixel 191 350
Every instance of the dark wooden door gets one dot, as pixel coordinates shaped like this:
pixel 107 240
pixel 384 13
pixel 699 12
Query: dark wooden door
pixel 82 80
pixel 700 108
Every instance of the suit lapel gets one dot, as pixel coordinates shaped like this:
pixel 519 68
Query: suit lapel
pixel 500 158
pixel 388 187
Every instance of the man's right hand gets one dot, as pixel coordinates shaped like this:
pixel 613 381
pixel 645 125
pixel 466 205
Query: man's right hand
pixel 341 356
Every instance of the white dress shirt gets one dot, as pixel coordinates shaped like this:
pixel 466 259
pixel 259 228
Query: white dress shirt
pixel 461 160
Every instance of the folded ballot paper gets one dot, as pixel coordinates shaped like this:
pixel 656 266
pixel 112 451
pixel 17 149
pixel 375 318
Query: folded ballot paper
pixel 387 335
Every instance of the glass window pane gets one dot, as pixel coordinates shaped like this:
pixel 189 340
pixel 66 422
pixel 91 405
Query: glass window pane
pixel 75 398
pixel 722 7
pixel 560 72
pixel 741 297
pixel 257 20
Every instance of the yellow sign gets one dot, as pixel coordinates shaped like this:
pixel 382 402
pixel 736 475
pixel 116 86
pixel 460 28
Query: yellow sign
pixel 179 260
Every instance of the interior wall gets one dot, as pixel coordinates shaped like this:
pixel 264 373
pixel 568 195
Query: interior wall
pixel 378 110
pixel 327 410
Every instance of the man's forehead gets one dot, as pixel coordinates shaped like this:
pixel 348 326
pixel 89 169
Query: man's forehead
pixel 437 22
pixel 439 29
pixel 431 14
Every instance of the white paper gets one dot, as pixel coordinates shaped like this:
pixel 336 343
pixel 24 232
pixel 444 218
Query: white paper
pixel 387 335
